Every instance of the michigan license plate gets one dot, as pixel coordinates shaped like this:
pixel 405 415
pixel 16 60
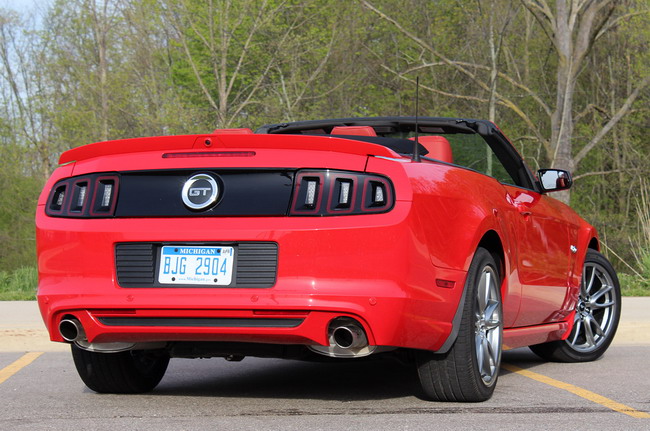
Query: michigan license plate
pixel 196 265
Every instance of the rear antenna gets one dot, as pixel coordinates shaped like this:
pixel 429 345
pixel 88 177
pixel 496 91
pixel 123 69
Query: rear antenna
pixel 416 144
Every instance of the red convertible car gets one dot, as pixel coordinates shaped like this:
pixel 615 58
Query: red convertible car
pixel 427 238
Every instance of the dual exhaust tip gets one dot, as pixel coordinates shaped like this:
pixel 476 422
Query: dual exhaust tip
pixel 71 330
pixel 347 338
pixel 347 333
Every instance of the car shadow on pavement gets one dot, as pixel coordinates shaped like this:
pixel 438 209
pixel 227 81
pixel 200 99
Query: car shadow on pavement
pixel 349 380
pixel 270 378
pixel 521 357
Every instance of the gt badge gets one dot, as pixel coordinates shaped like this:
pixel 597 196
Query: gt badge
pixel 200 192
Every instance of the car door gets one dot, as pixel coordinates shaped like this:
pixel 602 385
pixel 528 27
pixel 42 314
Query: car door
pixel 544 256
pixel 538 230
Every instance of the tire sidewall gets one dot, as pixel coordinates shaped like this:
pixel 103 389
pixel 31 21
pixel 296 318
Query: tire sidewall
pixel 483 258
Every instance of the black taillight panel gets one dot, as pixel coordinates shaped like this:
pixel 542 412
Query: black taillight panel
pixel 330 193
pixel 86 196
pixel 316 192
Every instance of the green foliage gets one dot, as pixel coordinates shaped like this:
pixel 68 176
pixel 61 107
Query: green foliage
pixel 19 284
pixel 115 69
pixel 18 195
pixel 637 284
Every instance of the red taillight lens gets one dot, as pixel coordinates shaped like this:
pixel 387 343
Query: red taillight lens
pixel 328 192
pixel 85 196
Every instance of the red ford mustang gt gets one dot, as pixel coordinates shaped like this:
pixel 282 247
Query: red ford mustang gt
pixel 429 238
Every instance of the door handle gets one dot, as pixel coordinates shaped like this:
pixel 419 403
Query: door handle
pixel 524 211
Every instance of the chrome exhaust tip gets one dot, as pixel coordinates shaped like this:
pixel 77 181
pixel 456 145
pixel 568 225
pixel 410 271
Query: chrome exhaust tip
pixel 349 336
pixel 347 339
pixel 71 330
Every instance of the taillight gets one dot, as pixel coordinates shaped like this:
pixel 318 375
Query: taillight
pixel 327 193
pixel 84 196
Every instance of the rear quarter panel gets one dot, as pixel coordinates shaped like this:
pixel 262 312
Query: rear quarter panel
pixel 453 208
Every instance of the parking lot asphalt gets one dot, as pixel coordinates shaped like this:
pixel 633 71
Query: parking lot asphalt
pixel 40 389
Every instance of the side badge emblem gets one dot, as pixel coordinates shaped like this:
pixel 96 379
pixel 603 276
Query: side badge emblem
pixel 574 249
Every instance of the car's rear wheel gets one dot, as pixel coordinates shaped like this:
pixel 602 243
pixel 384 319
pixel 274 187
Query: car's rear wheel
pixel 120 373
pixel 597 314
pixel 469 370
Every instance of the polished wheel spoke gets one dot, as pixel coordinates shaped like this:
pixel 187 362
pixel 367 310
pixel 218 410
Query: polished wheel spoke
pixel 492 307
pixel 604 290
pixel 488 290
pixel 487 359
pixel 594 325
pixel 479 353
pixel 583 284
pixel 590 285
pixel 577 328
pixel 598 306
pixel 493 347
pixel 595 310
pixel 589 334
pixel 483 292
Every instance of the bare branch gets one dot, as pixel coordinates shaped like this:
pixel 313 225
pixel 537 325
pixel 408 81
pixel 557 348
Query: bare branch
pixel 458 66
pixel 195 70
pixel 259 21
pixel 544 16
pixel 312 77
pixel 589 28
pixel 590 108
pixel 591 174
pixel 614 22
pixel 613 121
pixel 434 90
pixel 502 75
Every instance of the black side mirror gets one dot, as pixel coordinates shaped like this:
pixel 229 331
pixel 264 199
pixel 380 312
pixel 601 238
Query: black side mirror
pixel 552 180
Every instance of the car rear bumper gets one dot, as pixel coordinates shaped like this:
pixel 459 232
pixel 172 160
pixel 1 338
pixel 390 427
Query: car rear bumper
pixel 373 268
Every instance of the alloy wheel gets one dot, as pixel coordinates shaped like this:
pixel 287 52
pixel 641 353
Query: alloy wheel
pixel 595 311
pixel 488 329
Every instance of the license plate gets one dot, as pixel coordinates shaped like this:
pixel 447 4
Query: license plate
pixel 210 266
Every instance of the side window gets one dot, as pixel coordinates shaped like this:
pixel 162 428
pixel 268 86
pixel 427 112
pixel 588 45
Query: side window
pixel 472 152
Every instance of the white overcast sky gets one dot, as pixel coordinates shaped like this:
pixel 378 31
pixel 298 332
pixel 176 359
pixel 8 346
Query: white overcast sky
pixel 24 5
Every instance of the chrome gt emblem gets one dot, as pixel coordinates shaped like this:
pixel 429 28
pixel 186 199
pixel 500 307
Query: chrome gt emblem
pixel 200 191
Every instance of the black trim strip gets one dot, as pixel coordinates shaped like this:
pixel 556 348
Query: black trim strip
pixel 201 322
pixel 256 264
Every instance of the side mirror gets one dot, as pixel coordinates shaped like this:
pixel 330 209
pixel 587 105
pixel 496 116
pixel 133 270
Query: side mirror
pixel 553 180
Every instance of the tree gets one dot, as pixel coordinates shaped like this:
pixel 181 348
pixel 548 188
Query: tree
pixel 573 27
pixel 230 50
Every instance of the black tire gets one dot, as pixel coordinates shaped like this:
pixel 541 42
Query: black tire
pixel 597 315
pixel 128 372
pixel 459 374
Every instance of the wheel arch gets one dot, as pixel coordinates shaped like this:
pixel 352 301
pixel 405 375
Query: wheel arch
pixel 491 241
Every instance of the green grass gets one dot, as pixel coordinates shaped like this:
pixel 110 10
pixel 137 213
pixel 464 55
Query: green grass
pixel 19 284
pixel 639 283
pixel 632 285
